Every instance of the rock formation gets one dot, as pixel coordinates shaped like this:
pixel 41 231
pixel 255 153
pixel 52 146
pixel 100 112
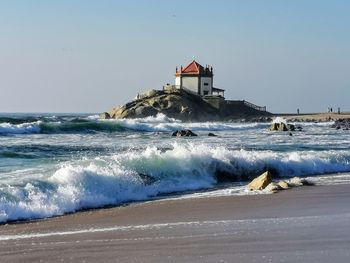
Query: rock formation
pixel 173 103
pixel 264 182
pixel 260 182
pixel 179 104
pixel 184 133
pixel 342 124
pixel 282 127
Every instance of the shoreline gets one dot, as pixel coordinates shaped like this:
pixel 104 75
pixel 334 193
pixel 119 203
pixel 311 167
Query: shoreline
pixel 207 229
pixel 314 117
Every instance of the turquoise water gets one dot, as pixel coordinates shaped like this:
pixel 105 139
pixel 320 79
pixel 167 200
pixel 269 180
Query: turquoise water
pixel 51 164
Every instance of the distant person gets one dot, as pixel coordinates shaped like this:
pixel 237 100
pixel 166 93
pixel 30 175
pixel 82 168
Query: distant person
pixel 338 110
pixel 298 111
pixel 331 109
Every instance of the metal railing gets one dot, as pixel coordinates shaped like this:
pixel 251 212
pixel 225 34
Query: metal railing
pixel 255 107
pixel 246 103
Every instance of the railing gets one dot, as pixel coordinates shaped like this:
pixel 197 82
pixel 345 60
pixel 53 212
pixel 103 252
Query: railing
pixel 255 107
pixel 246 103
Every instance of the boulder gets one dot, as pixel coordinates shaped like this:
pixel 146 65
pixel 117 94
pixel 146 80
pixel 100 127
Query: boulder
pixel 281 126
pixel 211 134
pixel 297 181
pixel 291 127
pixel 260 182
pixel 278 126
pixel 341 124
pixel 274 127
pixel 283 184
pixel 183 133
pixel 272 187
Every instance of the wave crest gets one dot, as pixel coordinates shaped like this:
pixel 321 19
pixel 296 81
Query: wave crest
pixel 91 124
pixel 140 175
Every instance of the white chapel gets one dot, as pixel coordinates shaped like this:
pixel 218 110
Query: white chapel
pixel 197 79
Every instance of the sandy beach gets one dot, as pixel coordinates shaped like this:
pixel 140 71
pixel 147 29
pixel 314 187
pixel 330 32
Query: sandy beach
pixel 316 117
pixel 305 224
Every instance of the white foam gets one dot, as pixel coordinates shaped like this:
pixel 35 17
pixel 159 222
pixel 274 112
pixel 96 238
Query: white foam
pixel 186 166
pixel 93 117
pixel 162 123
pixel 24 128
pixel 279 120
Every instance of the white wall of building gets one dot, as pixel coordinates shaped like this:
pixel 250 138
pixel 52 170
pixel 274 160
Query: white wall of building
pixel 190 83
pixel 206 86
pixel 177 82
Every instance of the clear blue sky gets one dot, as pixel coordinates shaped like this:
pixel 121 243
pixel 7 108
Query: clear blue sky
pixel 88 56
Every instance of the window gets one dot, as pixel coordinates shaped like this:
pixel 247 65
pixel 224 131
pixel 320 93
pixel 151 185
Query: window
pixel 206 84
pixel 205 92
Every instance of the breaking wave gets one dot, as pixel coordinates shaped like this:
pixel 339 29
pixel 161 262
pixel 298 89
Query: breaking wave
pixel 91 124
pixel 135 175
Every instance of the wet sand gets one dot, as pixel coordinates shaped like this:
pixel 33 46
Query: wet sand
pixel 306 224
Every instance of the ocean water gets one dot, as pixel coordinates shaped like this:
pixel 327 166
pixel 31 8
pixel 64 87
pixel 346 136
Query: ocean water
pixel 55 164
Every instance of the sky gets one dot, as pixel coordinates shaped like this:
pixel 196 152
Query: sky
pixel 89 56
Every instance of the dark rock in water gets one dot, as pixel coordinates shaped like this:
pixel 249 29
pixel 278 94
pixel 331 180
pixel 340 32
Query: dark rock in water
pixel 147 179
pixel 341 124
pixel 281 126
pixel 291 127
pixel 211 134
pixel 183 133
pixel 274 127
pixel 278 127
pixel 299 128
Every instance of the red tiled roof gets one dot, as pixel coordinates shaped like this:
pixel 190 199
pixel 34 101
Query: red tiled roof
pixel 195 68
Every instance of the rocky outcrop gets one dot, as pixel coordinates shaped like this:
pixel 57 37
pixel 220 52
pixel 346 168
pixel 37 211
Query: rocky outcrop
pixel 264 182
pixel 173 103
pixel 282 127
pixel 184 133
pixel 260 182
pixel 178 104
pixel 342 124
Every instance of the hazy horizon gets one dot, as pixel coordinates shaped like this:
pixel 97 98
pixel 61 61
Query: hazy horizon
pixel 87 56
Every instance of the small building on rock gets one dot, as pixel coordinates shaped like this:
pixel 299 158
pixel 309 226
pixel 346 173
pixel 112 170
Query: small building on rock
pixel 197 79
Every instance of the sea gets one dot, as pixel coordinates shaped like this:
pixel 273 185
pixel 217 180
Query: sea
pixel 53 164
